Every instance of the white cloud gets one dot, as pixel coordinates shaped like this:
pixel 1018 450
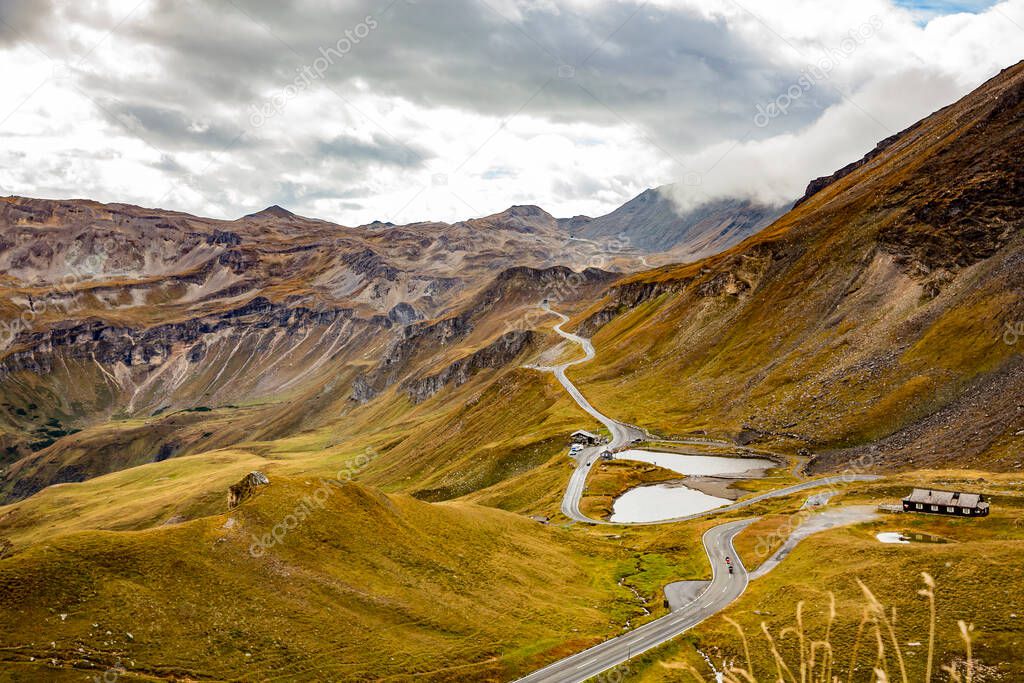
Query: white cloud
pixel 447 114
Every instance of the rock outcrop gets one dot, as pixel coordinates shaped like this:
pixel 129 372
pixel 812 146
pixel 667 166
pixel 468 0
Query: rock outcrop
pixel 403 314
pixel 495 355
pixel 246 488
pixel 110 344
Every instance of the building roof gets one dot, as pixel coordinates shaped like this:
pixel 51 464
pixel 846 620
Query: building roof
pixel 583 432
pixel 946 498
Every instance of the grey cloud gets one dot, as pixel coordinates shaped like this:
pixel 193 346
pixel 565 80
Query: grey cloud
pixel 288 193
pixel 24 20
pixel 678 78
pixel 499 172
pixel 170 128
pixel 169 164
pixel 676 75
pixel 382 150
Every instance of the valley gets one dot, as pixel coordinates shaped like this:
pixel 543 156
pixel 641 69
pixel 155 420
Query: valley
pixel 409 393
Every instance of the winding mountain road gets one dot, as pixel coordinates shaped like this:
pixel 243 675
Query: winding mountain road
pixel 722 591
pixel 724 588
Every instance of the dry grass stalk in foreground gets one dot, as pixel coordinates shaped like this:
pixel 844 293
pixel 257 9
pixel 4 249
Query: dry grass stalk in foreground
pixel 819 662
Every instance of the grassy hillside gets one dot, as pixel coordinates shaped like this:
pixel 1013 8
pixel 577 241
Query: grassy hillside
pixel 976 575
pixel 363 586
pixel 306 402
pixel 873 313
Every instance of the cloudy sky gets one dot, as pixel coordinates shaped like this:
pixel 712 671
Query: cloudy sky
pixel 407 110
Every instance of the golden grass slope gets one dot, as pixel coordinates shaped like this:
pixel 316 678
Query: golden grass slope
pixel 874 310
pixel 977 575
pixel 356 585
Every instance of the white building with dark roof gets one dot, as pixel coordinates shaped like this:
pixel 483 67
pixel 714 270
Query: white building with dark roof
pixel 946 503
pixel 586 438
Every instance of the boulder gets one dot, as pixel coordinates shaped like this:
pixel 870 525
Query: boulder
pixel 246 488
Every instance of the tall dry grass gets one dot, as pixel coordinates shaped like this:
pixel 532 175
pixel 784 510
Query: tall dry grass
pixel 819 662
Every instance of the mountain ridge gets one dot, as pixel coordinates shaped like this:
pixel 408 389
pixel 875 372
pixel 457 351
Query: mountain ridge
pixel 653 222
pixel 856 316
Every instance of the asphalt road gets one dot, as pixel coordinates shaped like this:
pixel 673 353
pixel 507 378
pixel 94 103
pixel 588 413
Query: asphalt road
pixel 622 434
pixel 718 542
pixel 722 591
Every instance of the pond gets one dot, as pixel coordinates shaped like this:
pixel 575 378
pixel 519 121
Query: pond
pixel 906 537
pixel 694 465
pixel 670 500
pixel 891 537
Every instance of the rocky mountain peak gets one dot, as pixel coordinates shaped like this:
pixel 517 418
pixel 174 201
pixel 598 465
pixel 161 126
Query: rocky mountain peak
pixel 272 211
pixel 521 217
pixel 524 210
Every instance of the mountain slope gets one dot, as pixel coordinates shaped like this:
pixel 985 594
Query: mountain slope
pixel 481 592
pixel 132 335
pixel 870 320
pixel 652 222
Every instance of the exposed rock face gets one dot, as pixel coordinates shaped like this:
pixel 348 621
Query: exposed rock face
pixel 520 286
pixel 732 274
pixel 652 222
pixel 963 205
pixel 819 184
pixel 415 339
pixel 723 283
pixel 403 314
pixel 959 224
pixel 526 219
pixel 369 262
pixel 246 488
pixel 624 297
pixel 131 347
pixel 271 212
pixel 225 237
pixel 498 354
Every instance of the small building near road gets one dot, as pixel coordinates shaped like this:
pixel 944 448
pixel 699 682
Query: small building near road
pixel 585 438
pixel 953 503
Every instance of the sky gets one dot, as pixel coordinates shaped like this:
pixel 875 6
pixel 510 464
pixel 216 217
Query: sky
pixel 412 110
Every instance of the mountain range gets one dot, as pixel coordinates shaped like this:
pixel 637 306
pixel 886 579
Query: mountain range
pixel 136 313
pixel 152 358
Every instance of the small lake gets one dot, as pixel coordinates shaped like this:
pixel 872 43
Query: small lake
pixel 697 465
pixel 907 537
pixel 666 501
pixel 891 537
